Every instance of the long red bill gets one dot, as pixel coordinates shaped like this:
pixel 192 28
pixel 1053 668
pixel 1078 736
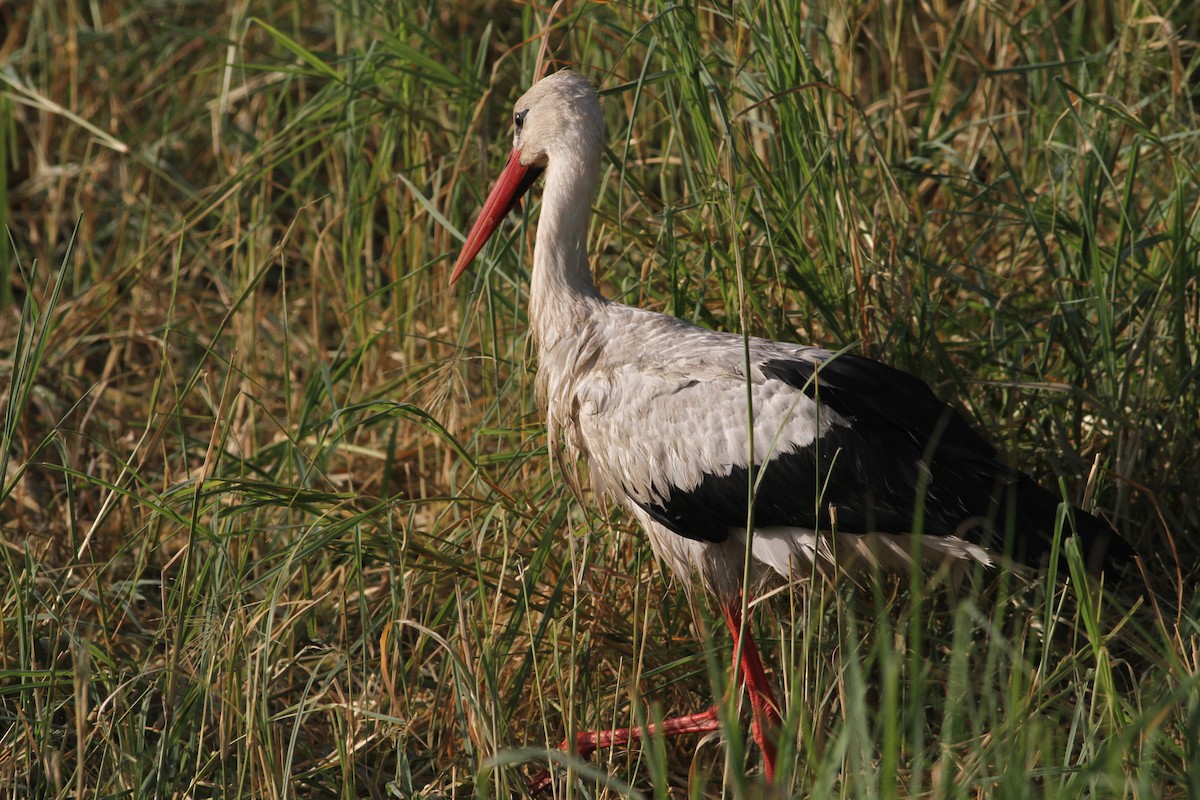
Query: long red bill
pixel 513 183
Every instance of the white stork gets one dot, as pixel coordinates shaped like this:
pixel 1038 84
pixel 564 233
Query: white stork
pixel 845 458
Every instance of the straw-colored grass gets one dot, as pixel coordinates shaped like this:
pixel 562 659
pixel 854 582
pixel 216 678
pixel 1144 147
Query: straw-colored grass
pixel 276 513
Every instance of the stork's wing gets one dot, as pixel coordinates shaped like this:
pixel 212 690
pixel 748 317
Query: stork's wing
pixel 841 443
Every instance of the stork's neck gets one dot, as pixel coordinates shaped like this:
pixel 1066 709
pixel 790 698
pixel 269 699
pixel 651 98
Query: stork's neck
pixel 562 291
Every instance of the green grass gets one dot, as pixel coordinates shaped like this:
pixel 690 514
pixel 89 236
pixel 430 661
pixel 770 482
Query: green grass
pixel 277 517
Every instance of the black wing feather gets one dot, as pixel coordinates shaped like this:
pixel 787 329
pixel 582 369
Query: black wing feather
pixel 904 454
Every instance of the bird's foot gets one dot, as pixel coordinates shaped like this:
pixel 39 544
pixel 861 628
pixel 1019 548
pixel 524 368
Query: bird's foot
pixel 588 742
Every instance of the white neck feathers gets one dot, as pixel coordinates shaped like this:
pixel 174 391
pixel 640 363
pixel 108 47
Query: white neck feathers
pixel 562 293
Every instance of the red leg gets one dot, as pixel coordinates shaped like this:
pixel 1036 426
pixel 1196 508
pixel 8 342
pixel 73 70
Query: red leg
pixel 587 742
pixel 765 709
pixel 746 664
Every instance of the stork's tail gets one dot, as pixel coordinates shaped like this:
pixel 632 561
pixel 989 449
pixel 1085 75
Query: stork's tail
pixel 1103 549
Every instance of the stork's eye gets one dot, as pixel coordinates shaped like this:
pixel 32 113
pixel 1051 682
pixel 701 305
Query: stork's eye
pixel 519 119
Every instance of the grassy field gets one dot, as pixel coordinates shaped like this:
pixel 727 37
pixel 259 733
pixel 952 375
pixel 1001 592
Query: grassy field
pixel 276 513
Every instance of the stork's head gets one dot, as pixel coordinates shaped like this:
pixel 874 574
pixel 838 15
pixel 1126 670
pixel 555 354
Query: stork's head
pixel 558 120
pixel 559 117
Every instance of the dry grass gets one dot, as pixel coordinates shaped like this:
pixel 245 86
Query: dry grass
pixel 277 518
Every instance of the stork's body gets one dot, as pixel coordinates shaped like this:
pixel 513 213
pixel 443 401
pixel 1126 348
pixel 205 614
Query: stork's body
pixel 847 458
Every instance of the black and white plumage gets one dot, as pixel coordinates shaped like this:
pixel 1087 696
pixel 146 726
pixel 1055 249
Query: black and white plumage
pixel 849 456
